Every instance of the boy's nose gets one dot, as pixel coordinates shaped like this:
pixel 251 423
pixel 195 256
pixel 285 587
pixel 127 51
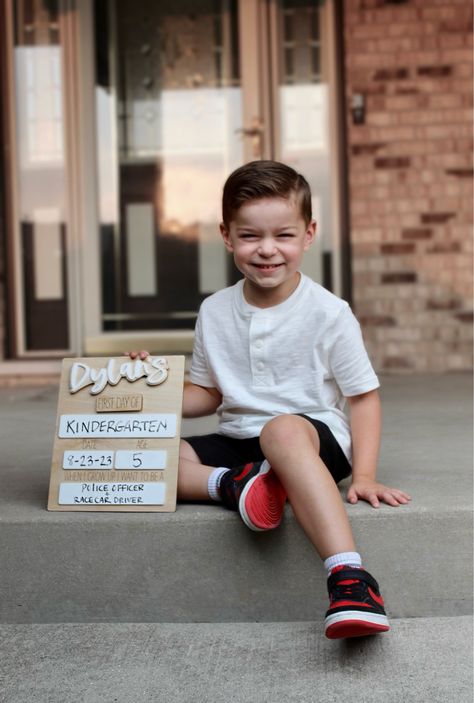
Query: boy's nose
pixel 267 247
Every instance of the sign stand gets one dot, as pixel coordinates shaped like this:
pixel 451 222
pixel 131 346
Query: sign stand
pixel 116 445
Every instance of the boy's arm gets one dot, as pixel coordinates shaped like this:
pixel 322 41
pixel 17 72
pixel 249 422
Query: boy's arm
pixel 199 400
pixel 365 419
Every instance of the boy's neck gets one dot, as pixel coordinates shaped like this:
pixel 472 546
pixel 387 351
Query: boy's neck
pixel 268 298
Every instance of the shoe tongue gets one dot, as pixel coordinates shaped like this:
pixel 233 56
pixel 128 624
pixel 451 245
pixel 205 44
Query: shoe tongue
pixel 341 567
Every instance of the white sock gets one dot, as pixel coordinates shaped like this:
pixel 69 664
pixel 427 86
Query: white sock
pixel 343 559
pixel 213 482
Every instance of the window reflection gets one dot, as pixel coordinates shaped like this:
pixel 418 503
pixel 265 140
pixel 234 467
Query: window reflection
pixel 41 174
pixel 168 102
pixel 304 116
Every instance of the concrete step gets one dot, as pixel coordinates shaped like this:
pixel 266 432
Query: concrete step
pixel 420 660
pixel 201 564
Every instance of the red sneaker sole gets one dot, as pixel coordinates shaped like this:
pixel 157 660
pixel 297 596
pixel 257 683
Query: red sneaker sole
pixel 262 501
pixel 354 628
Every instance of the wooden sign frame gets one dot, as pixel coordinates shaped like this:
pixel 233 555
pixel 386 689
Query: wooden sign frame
pixel 118 426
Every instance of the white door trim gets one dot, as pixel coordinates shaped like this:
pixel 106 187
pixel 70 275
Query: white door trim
pixel 90 308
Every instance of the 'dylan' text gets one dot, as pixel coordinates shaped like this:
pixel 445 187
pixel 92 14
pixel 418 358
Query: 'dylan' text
pixel 81 375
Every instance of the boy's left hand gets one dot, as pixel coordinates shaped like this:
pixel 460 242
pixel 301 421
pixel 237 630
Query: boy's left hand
pixel 374 492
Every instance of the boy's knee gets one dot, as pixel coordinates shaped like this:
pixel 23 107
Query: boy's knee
pixel 286 430
pixel 187 452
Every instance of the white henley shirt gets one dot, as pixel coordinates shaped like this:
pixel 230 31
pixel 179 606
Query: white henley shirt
pixel 305 355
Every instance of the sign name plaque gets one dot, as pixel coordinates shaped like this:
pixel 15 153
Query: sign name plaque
pixel 116 446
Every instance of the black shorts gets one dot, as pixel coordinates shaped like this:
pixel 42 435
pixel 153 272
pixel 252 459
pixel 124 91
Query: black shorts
pixel 219 450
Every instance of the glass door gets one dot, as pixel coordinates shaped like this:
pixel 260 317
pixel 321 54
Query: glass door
pixel 185 92
pixel 169 119
pixel 38 269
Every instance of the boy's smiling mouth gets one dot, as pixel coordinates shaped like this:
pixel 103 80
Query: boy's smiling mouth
pixel 267 267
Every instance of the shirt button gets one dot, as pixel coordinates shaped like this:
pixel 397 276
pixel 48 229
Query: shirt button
pixel 259 344
pixel 260 366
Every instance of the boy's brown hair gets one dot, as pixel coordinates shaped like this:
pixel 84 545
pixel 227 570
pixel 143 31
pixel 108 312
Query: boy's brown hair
pixel 264 179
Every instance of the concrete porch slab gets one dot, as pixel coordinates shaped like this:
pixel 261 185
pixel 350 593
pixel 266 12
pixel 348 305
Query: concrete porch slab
pixel 73 567
pixel 419 660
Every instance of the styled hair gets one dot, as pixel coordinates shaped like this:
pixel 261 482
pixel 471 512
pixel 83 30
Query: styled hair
pixel 264 179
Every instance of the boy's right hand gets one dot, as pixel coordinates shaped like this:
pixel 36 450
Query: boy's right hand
pixel 142 355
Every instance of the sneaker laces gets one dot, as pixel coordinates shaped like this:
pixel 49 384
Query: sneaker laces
pixel 350 589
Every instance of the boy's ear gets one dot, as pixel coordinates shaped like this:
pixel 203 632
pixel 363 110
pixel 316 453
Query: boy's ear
pixel 226 237
pixel 310 234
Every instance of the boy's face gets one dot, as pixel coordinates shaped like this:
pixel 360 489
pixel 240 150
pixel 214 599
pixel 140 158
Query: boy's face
pixel 268 238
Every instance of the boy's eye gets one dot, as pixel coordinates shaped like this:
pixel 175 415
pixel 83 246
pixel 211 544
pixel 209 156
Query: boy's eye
pixel 247 235
pixel 286 235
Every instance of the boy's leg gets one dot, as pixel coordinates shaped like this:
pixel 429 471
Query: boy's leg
pixel 251 488
pixel 291 445
pixel 193 476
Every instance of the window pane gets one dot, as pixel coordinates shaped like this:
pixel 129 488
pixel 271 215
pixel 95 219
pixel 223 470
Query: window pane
pixel 304 116
pixel 42 174
pixel 168 105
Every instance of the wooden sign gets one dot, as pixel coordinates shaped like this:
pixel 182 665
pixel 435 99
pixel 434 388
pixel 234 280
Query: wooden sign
pixel 116 445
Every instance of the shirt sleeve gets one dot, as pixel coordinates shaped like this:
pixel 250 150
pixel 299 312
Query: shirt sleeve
pixel 348 357
pixel 200 373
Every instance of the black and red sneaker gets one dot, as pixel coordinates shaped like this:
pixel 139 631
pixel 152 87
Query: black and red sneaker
pixel 255 491
pixel 356 606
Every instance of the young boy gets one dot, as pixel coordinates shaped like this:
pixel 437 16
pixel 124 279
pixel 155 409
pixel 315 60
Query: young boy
pixel 276 355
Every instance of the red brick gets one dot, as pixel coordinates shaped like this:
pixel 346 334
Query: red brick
pixel 434 71
pixel 398 13
pixel 464 70
pixel 406 90
pixel 393 162
pixel 417 233
pixel 445 101
pixel 404 102
pixel 376 103
pixel 393 134
pixel 364 31
pixel 412 29
pixel 466 317
pixel 398 248
pixel 391 74
pixel 360 134
pixel 429 43
pixel 460 172
pixel 358 149
pixel 448 304
pixel 444 248
pixel 444 131
pixel 382 119
pixel 399 277
pixel 437 217
pixel 373 60
pixel 456 56
pixel 377 321
pixel 456 25
pixel 451 40
pixel 452 16
pixel 419 117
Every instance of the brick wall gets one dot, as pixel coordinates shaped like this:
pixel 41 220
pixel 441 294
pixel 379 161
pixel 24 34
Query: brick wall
pixel 410 172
